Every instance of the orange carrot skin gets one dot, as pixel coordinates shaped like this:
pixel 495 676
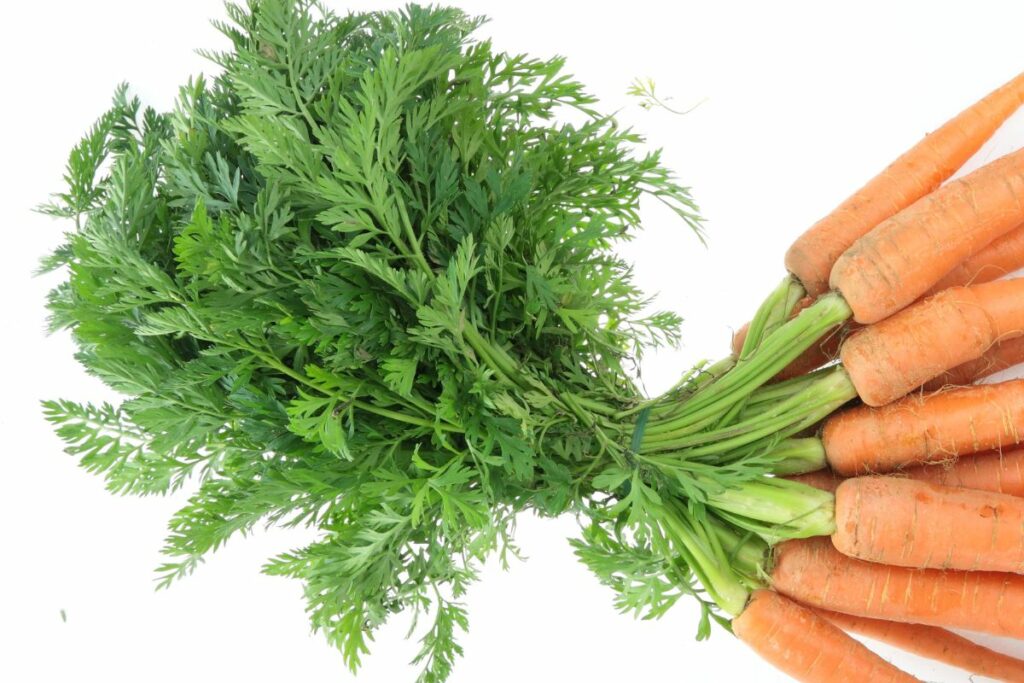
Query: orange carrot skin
pixel 1001 257
pixel 806 646
pixel 904 256
pixel 925 428
pixel 934 643
pixel 912 176
pixel 1000 472
pixel 1002 355
pixel 890 358
pixel 823 480
pixel 907 523
pixel 813 572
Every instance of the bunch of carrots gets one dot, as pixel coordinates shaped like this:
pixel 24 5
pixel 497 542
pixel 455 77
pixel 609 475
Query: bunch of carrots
pixel 905 276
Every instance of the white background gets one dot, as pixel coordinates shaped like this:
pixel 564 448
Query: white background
pixel 804 101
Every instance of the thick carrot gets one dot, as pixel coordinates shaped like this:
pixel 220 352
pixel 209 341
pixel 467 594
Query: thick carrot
pixel 907 523
pixel 1001 257
pixel 806 646
pixel 889 359
pixel 913 175
pixel 906 255
pixel 1002 355
pixel 994 471
pixel 999 472
pixel 813 572
pixel 934 643
pixel 925 428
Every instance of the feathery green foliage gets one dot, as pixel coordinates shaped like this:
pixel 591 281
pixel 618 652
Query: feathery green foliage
pixel 364 280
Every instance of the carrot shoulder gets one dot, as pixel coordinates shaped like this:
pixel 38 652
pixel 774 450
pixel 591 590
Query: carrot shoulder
pixel 806 646
pixel 935 643
pixel 903 522
pixel 813 572
pixel 913 175
pixel 890 358
pixel 906 255
pixel 925 428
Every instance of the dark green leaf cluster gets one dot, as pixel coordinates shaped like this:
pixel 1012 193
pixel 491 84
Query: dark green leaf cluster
pixel 363 280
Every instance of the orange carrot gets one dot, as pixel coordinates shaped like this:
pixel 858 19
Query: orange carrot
pixel 934 643
pixel 999 472
pixel 907 523
pixel 925 428
pixel 890 358
pixel 806 646
pixel 993 471
pixel 906 255
pixel 823 480
pixel 1002 355
pixel 999 258
pixel 813 572
pixel 913 175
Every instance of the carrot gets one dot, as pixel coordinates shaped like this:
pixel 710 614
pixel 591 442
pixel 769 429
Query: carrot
pixel 907 523
pixel 925 428
pixel 934 643
pixel 912 176
pixel 999 472
pixel 813 572
pixel 1002 355
pixel 994 471
pixel 823 480
pixel 907 254
pixel 807 646
pixel 1001 257
pixel 890 358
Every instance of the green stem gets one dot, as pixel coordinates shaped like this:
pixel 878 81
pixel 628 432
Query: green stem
pixel 778 507
pixel 777 351
pixel 822 397
pixel 706 558
pixel 797 456
pixel 775 310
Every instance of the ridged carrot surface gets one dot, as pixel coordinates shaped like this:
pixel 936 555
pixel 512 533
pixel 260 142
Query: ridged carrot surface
pixel 913 175
pixel 807 646
pixel 890 358
pixel 925 428
pixel 906 255
pixel 934 643
pixel 813 572
pixel 1001 257
pixel 903 522
pixel 999 357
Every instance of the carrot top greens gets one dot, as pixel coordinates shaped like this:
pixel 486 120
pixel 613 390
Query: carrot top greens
pixel 364 280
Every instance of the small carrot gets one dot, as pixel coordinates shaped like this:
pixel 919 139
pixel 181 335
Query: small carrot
pixel 807 646
pixel 813 572
pixel 912 176
pixel 925 428
pixel 999 472
pixel 890 358
pixel 907 523
pixel 934 643
pixel 906 255
pixel 1001 257
pixel 1002 355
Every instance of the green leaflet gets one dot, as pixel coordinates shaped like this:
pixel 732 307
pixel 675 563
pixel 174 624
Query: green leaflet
pixel 365 280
